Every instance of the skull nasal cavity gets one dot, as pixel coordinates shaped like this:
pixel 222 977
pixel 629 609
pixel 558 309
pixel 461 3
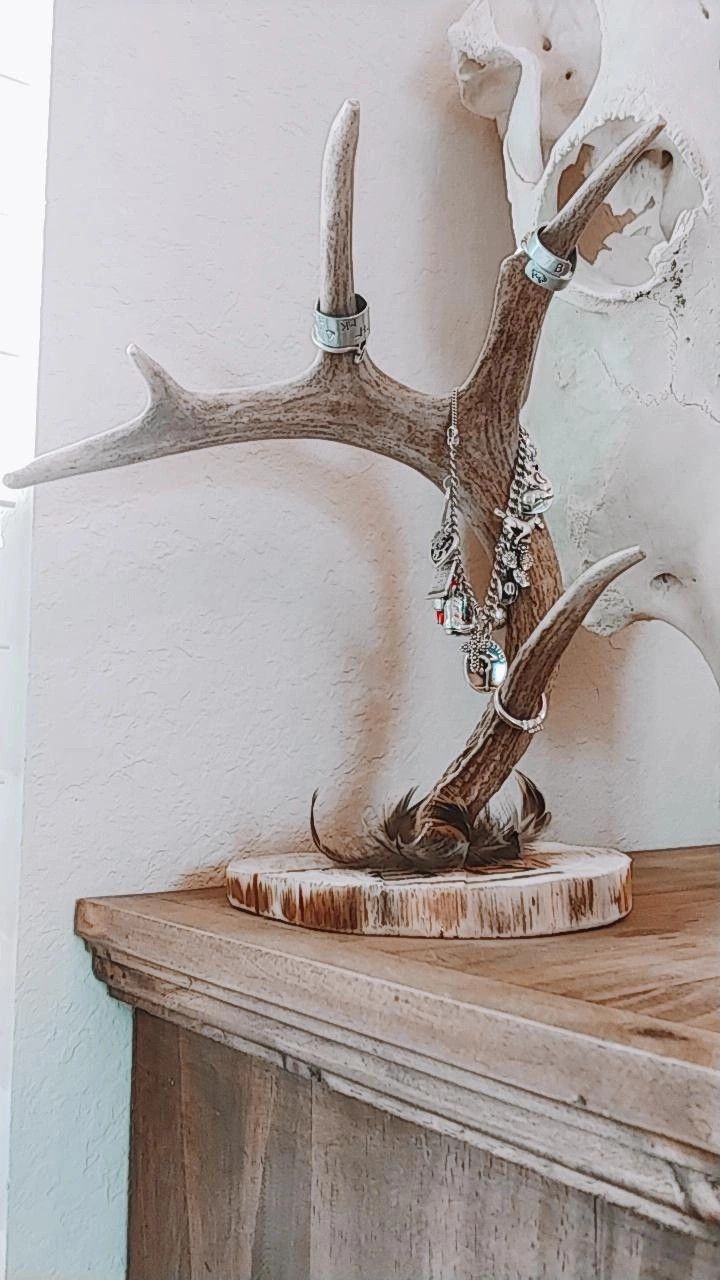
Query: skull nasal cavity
pixel 664 582
pixel 530 67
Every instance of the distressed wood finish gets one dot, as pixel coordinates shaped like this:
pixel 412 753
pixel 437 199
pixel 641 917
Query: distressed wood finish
pixel 359 404
pixel 550 889
pixel 587 1066
pixel 220 1155
pixel 241 1170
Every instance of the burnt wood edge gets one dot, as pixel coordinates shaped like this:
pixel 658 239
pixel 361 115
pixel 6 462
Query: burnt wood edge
pixel 662 1180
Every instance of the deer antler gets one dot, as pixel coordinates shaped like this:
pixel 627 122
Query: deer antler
pixel 357 403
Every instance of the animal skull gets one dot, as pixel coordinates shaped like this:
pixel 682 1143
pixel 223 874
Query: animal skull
pixel 625 401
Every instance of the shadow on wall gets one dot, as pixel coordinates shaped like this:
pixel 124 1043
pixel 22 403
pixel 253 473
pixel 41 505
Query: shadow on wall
pixel 606 706
pixel 377 665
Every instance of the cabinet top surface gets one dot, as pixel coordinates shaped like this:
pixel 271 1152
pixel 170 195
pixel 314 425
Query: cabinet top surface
pixel 602 1013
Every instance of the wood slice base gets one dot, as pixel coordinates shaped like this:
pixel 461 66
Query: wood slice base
pixel 553 888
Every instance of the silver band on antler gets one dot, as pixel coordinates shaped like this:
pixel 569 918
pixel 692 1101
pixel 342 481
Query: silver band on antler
pixel 546 268
pixel 343 333
pixel 533 725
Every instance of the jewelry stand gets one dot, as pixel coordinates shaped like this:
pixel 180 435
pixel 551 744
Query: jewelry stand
pixel 344 396
pixel 552 888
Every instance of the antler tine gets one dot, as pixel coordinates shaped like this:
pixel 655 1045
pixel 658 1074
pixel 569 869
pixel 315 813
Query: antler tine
pixel 537 658
pixel 178 421
pixel 337 288
pixel 562 232
pixel 495 746
pixel 503 366
pixel 436 834
pixel 156 430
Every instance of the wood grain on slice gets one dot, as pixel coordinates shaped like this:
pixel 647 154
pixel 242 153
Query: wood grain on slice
pixel 552 889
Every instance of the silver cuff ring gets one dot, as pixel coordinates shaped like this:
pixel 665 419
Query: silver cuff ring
pixel 526 726
pixel 546 268
pixel 343 333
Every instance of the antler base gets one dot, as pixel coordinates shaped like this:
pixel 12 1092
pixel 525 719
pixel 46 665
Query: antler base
pixel 551 888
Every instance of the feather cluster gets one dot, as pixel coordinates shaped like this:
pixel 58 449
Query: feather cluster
pixel 449 838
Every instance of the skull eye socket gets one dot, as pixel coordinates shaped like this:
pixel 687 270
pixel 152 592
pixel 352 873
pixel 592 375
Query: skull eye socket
pixel 532 68
pixel 620 251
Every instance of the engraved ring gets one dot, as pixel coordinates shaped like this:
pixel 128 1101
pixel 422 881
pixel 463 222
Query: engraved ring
pixel 546 268
pixel 343 333
pixel 527 726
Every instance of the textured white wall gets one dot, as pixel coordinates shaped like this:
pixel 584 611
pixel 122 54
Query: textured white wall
pixel 24 86
pixel 214 635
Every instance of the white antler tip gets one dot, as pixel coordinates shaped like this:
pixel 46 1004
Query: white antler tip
pixel 634 554
pixel 654 127
pixel 140 357
pixel 157 378
pixel 142 361
pixel 348 117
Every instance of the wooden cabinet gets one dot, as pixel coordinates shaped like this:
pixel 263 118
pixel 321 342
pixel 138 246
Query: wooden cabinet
pixel 310 1106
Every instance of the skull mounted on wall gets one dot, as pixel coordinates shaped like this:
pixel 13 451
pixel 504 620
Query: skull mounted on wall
pixel 625 400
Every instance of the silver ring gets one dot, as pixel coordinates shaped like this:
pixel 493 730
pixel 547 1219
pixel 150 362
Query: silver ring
pixel 527 726
pixel 343 333
pixel 546 268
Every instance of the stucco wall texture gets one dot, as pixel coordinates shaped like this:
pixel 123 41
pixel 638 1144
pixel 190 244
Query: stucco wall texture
pixel 214 635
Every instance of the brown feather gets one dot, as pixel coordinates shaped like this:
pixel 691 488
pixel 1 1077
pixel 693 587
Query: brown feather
pixel 495 841
pixel 497 836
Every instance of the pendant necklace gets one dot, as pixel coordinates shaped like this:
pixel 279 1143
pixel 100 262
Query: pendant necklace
pixel 457 609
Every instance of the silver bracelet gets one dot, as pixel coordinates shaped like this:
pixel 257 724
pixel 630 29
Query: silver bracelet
pixel 338 334
pixel 527 726
pixel 544 267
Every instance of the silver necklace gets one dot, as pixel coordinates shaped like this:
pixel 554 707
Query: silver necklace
pixel 457 609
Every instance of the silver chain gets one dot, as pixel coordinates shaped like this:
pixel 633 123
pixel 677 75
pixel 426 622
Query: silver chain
pixel 451 480
pixel 530 494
